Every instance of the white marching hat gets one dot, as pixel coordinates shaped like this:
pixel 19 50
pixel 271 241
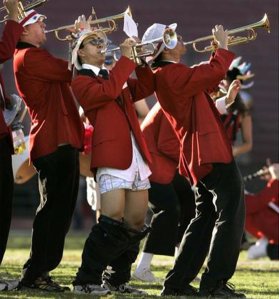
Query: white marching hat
pixel 81 36
pixel 155 32
pixel 31 17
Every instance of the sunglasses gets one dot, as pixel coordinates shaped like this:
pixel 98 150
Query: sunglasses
pixel 96 42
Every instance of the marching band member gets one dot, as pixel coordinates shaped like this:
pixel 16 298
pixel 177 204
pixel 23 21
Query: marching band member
pixel 170 195
pixel 165 202
pixel 238 118
pixel 11 34
pixel 119 160
pixel 206 159
pixel 56 136
pixel 262 217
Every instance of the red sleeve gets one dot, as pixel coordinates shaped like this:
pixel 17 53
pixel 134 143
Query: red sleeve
pixel 94 92
pixel 54 69
pixel 202 77
pixel 10 37
pixel 143 86
pixel 259 201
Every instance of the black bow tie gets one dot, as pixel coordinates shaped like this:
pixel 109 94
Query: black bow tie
pixel 104 74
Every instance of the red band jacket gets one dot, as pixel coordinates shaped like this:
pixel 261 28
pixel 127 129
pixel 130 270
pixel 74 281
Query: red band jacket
pixel 10 37
pixel 261 218
pixel 43 82
pixel 182 93
pixel 163 145
pixel 109 107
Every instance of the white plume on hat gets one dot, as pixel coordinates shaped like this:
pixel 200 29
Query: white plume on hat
pixel 155 32
pixel 31 17
pixel 245 72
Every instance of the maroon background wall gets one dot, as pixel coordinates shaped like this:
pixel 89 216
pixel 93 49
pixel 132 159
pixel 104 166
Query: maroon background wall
pixel 195 18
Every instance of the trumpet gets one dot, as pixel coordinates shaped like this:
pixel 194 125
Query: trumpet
pixel 259 173
pixel 23 6
pixel 148 48
pixel 251 35
pixel 111 25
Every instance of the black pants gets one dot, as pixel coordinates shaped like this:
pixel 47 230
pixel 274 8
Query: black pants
pixel 186 198
pixel 6 193
pixel 113 243
pixel 219 207
pixel 122 264
pixel 166 208
pixel 107 240
pixel 273 251
pixel 58 186
pixel 173 207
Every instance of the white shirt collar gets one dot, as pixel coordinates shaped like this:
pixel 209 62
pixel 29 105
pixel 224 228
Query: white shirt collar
pixel 169 61
pixel 91 67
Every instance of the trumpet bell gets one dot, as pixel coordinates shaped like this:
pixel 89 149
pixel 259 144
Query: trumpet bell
pixel 170 38
pixel 250 31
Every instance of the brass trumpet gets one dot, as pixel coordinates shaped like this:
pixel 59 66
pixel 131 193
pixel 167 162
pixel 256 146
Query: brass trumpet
pixel 23 6
pixel 251 35
pixel 111 25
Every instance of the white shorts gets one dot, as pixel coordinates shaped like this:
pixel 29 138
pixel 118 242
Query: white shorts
pixel 109 182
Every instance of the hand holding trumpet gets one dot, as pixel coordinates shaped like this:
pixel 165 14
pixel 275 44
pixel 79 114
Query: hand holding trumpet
pixel 220 37
pixel 12 9
pixel 126 48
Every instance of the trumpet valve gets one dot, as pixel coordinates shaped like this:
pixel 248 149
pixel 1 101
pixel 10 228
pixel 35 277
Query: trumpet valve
pixel 21 11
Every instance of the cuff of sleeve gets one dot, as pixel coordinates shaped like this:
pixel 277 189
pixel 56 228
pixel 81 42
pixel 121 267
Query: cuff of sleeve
pixel 221 105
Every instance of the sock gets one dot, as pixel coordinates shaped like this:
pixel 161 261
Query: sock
pixel 145 261
pixel 176 251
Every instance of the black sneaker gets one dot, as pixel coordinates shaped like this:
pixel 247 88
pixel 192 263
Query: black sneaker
pixel 187 291
pixel 43 284
pixel 222 290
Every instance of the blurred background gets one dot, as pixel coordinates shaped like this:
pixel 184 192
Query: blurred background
pixel 195 18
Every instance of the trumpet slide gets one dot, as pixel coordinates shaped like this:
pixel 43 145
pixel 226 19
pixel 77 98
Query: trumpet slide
pixel 23 6
pixel 251 35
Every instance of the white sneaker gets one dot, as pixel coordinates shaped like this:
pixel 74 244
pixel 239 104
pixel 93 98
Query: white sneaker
pixel 144 275
pixel 8 285
pixel 258 250
pixel 92 289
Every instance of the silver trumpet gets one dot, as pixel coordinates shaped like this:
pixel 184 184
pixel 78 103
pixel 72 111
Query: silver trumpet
pixel 148 48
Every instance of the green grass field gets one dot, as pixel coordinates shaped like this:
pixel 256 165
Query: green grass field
pixel 257 279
